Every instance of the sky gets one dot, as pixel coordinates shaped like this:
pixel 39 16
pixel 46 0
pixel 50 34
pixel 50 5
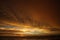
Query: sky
pixel 29 12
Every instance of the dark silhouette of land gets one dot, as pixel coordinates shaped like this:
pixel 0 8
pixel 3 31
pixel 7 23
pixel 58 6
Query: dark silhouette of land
pixel 50 37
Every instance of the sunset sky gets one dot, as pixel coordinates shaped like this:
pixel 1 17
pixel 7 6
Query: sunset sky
pixel 31 13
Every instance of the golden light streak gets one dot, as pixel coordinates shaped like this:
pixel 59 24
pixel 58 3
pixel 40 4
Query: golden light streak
pixel 25 30
pixel 28 31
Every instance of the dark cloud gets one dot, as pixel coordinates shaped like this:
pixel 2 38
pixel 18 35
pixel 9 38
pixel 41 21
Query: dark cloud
pixel 29 11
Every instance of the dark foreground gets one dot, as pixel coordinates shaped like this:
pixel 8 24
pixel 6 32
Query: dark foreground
pixel 51 37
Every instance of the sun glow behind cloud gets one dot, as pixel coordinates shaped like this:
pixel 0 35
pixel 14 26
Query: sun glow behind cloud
pixel 25 30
